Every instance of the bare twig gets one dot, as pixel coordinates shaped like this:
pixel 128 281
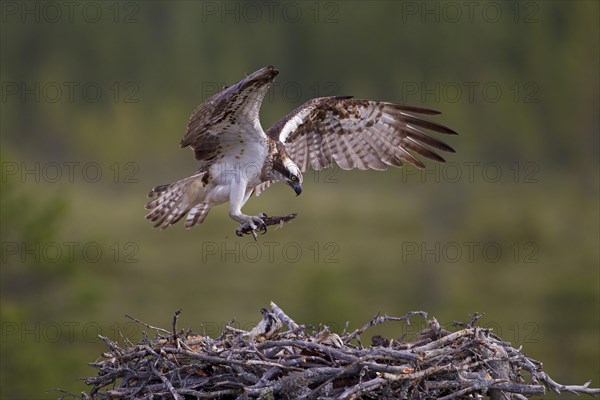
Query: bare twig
pixel 168 384
pixel 283 317
pixel 380 319
pixel 148 326
pixel 175 316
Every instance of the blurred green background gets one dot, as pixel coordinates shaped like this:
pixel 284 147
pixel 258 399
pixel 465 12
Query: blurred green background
pixel 96 96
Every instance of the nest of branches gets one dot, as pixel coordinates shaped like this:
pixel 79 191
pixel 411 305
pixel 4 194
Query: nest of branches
pixel 279 359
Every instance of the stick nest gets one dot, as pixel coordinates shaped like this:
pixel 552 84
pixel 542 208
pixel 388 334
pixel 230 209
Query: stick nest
pixel 270 362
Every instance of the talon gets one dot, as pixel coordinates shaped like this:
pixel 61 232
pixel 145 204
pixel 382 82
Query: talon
pixel 262 227
pixel 252 225
pixel 259 223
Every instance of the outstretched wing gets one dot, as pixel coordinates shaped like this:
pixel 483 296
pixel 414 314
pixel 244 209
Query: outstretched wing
pixel 229 118
pixel 357 133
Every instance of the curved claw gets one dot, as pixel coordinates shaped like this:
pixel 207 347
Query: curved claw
pixel 252 225
pixel 260 224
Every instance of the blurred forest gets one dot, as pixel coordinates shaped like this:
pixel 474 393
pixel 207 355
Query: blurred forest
pixel 96 96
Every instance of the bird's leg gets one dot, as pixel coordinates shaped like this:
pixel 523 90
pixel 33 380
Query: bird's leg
pixel 248 223
pixel 252 224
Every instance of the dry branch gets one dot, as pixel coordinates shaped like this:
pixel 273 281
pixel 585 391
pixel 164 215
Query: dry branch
pixel 267 363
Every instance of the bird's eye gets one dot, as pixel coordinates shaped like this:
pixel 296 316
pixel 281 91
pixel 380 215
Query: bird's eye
pixel 294 178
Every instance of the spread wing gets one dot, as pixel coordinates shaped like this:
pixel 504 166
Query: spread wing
pixel 357 133
pixel 230 118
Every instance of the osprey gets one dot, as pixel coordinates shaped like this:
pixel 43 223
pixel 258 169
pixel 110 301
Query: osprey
pixel 239 158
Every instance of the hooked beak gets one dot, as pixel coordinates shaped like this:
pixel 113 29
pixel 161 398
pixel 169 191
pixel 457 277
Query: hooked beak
pixel 297 188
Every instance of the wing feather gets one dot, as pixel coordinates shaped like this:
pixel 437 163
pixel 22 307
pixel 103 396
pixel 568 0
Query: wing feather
pixel 379 150
pixel 229 118
pixel 344 154
pixel 360 134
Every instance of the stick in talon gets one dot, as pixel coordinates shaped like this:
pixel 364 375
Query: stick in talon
pixel 245 228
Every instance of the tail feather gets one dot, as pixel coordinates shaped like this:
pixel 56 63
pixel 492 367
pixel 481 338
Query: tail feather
pixel 197 215
pixel 171 202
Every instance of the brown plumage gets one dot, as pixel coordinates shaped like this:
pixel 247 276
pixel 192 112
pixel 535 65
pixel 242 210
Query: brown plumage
pixel 238 158
pixel 355 133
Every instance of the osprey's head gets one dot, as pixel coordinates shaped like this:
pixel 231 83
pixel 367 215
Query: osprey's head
pixel 284 169
pixel 294 177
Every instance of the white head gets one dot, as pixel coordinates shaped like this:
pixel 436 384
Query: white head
pixel 284 169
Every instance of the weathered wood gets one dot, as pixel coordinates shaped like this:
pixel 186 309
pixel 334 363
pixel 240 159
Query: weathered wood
pixel 299 363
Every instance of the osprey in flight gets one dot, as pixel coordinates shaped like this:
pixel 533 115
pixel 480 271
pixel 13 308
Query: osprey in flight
pixel 239 158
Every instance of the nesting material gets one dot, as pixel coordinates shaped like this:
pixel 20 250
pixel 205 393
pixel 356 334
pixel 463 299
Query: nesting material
pixel 280 359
